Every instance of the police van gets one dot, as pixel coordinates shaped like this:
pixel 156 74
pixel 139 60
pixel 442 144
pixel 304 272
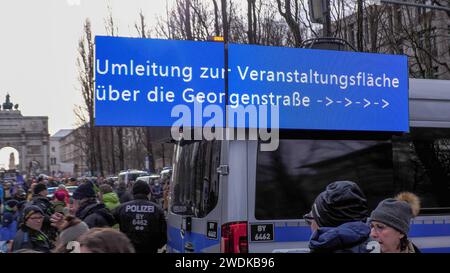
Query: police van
pixel 229 196
pixel 130 175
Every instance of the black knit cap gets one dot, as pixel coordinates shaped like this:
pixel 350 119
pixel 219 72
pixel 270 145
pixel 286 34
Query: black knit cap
pixel 85 190
pixel 11 203
pixel 341 202
pixel 39 187
pixel 141 187
pixel 30 210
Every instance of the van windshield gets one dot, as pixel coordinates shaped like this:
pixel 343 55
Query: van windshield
pixel 299 170
pixel 134 176
pixel 196 180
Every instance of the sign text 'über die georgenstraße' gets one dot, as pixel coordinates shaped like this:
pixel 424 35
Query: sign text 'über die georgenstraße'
pixel 139 81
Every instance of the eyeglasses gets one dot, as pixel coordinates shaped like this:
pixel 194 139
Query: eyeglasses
pixel 308 218
pixel 36 218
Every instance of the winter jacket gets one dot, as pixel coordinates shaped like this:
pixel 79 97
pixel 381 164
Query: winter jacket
pixel 120 192
pixel 60 206
pixel 27 238
pixel 351 237
pixel 8 228
pixel 1 195
pixel 126 197
pixel 95 215
pixel 144 224
pixel 111 200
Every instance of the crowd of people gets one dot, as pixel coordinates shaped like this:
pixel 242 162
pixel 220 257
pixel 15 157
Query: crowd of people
pixel 104 216
pixel 100 216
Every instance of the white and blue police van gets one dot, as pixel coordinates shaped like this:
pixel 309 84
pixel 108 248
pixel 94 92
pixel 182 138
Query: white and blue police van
pixel 342 116
pixel 231 197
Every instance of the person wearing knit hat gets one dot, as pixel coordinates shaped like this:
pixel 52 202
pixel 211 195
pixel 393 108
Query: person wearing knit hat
pixel 40 200
pixel 87 208
pixel 141 187
pixel 62 192
pixel 85 190
pixel 337 219
pixel 59 202
pixel 142 220
pixel 8 226
pixel 31 210
pixel 390 223
pixel 341 202
pixel 30 235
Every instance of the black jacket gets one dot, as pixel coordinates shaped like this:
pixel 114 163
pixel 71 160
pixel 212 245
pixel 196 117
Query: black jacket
pixel 27 238
pixel 126 197
pixel 95 215
pixel 144 223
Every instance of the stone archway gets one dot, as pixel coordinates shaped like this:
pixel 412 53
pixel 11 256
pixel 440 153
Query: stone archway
pixel 9 158
pixel 28 135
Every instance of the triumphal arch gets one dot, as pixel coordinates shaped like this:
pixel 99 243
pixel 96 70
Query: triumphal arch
pixel 28 135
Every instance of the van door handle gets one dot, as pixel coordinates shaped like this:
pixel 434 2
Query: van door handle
pixel 223 170
pixel 188 247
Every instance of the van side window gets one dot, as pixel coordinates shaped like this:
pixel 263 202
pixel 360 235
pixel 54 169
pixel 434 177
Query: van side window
pixel 300 169
pixel 422 165
pixel 195 178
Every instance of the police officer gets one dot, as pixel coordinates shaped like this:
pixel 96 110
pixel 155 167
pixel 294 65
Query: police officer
pixel 142 220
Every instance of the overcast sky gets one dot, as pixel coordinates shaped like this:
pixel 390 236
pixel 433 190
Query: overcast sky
pixel 38 51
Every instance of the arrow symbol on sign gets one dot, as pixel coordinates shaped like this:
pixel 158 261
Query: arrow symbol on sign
pixel 329 101
pixel 348 102
pixel 367 103
pixel 385 103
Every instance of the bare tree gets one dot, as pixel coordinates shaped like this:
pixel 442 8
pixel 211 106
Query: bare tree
pixel 85 63
pixel 360 19
pixel 141 28
pixel 112 30
pixel 289 10
pixel 216 18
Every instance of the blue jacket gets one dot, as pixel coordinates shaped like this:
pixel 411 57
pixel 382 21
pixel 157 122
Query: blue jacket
pixel 8 227
pixel 1 195
pixel 352 237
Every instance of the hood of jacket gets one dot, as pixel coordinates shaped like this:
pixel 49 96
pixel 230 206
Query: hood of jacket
pixel 111 200
pixel 94 207
pixel 43 203
pixel 341 238
pixel 41 199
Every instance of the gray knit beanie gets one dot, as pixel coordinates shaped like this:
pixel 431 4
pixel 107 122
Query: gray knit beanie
pixel 397 212
pixel 73 232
